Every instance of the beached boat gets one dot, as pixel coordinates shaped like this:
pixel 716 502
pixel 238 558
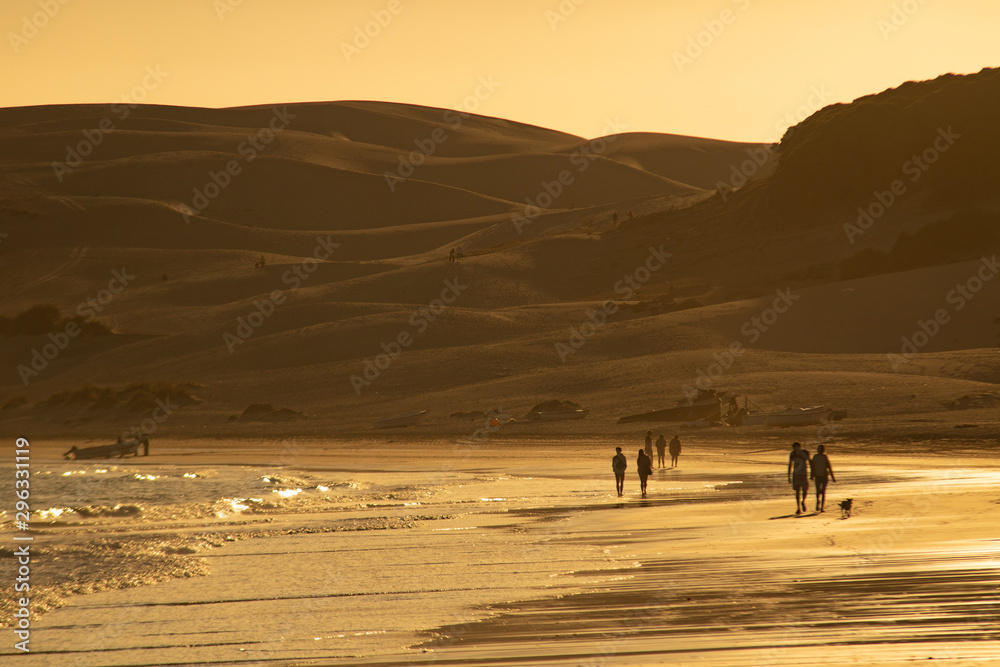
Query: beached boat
pixel 798 416
pixel 119 449
pixel 408 419
pixel 750 419
pixel 789 417
pixel 706 406
pixel 551 411
pixel 558 415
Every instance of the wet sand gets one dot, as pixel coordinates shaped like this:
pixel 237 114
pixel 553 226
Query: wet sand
pixel 520 554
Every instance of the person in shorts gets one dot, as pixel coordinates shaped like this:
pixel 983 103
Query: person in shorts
pixel 821 470
pixel 798 475
pixel 618 464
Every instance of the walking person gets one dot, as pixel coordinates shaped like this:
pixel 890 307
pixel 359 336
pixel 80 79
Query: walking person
pixel 451 256
pixel 645 466
pixel 798 475
pixel 820 469
pixel 649 445
pixel 675 450
pixel 661 448
pixel 619 464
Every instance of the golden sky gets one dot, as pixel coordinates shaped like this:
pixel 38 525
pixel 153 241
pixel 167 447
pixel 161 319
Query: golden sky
pixel 729 69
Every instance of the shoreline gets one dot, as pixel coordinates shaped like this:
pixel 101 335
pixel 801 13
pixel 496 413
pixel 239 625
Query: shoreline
pixel 745 482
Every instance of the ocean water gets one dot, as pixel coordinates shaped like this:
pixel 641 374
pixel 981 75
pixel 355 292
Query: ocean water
pixel 137 562
pixel 258 563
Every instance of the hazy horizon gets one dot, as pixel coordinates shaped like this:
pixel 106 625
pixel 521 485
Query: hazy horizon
pixel 738 70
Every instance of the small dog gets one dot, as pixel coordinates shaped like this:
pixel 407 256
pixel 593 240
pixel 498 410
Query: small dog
pixel 845 508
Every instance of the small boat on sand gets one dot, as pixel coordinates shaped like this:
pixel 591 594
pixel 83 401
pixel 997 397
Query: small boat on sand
pixel 808 416
pixel 798 416
pixel 749 419
pixel 551 411
pixel 558 415
pixel 119 449
pixel 398 421
pixel 707 406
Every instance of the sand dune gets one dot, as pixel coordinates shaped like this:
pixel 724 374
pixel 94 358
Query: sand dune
pixel 282 295
pixel 525 288
pixel 692 160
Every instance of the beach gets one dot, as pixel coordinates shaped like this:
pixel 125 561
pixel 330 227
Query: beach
pixel 373 295
pixel 516 551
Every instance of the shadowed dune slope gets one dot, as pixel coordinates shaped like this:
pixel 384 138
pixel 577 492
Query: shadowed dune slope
pixel 299 270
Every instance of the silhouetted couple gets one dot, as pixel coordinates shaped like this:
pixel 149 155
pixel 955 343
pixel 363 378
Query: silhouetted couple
pixel 801 467
pixel 644 464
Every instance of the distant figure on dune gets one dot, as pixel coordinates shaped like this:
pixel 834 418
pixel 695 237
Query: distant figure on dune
pixel 820 468
pixel 675 451
pixel 798 475
pixel 451 256
pixel 649 444
pixel 645 466
pixel 661 448
pixel 619 464
pixel 458 253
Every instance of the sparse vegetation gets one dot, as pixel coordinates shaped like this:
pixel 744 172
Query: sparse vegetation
pixel 135 397
pixel 43 319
